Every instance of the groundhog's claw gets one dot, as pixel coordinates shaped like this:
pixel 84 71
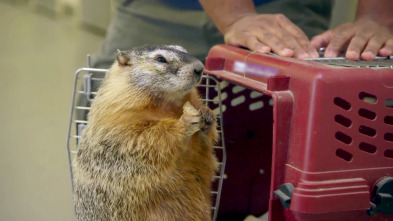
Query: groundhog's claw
pixel 188 109
pixel 208 118
pixel 191 119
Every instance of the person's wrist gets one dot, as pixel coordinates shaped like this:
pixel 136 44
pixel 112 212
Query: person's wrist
pixel 234 19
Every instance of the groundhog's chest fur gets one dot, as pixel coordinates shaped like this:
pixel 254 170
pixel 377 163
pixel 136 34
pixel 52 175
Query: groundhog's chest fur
pixel 146 153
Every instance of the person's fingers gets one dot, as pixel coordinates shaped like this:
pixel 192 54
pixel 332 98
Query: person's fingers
pixel 336 46
pixel 295 38
pixel 362 39
pixel 372 48
pixel 356 45
pixel 252 43
pixel 248 40
pixel 274 42
pixel 292 44
pixel 321 40
pixel 341 36
pixel 387 49
pixel 311 51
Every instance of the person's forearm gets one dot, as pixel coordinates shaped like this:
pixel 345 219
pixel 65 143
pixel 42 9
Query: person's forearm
pixel 225 12
pixel 380 11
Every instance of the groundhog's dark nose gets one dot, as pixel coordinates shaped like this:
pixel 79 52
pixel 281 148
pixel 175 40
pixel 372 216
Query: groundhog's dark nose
pixel 198 71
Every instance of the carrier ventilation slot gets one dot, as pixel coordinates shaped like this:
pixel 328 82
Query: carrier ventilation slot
pixel 388 120
pixel 389 103
pixel 388 154
pixel 388 137
pixel 343 120
pixel 367 114
pixel 238 100
pixel 342 103
pixel 343 154
pixel 367 131
pixel 368 98
pixel 369 148
pixel 343 137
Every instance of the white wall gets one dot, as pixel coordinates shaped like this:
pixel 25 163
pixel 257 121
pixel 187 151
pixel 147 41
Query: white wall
pixel 96 13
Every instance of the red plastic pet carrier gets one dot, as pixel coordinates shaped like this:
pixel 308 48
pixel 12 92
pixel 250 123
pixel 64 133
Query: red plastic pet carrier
pixel 305 140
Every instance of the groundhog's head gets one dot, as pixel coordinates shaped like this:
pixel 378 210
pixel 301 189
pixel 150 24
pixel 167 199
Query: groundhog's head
pixel 162 69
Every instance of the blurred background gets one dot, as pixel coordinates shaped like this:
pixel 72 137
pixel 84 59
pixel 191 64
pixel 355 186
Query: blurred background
pixel 42 44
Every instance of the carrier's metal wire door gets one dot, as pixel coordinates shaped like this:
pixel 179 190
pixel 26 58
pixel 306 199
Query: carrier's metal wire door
pixel 85 87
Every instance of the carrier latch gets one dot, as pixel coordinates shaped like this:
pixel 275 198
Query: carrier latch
pixel 382 198
pixel 284 193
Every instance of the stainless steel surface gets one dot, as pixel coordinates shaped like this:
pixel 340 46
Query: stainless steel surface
pixel 378 62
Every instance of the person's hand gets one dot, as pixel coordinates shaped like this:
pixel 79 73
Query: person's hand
pixel 270 32
pixel 363 38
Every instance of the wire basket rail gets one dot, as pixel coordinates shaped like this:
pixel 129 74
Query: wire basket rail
pixel 86 83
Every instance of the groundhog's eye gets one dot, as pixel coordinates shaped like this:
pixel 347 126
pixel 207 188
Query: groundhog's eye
pixel 161 59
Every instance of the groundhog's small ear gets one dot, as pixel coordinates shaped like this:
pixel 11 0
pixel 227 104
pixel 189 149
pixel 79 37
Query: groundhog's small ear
pixel 178 47
pixel 122 58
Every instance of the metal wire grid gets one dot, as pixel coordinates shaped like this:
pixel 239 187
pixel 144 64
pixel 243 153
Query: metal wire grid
pixel 85 87
pixel 378 62
pixel 341 61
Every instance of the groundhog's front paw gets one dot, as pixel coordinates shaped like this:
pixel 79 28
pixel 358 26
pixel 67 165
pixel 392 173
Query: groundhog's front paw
pixel 191 119
pixel 208 118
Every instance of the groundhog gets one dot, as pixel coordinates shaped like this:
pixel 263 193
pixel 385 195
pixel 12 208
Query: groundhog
pixel 147 150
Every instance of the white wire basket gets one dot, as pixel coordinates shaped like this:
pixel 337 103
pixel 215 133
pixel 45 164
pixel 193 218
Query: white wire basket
pixel 86 83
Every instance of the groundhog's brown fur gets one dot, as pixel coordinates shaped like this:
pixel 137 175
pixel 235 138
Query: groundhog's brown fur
pixel 146 152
